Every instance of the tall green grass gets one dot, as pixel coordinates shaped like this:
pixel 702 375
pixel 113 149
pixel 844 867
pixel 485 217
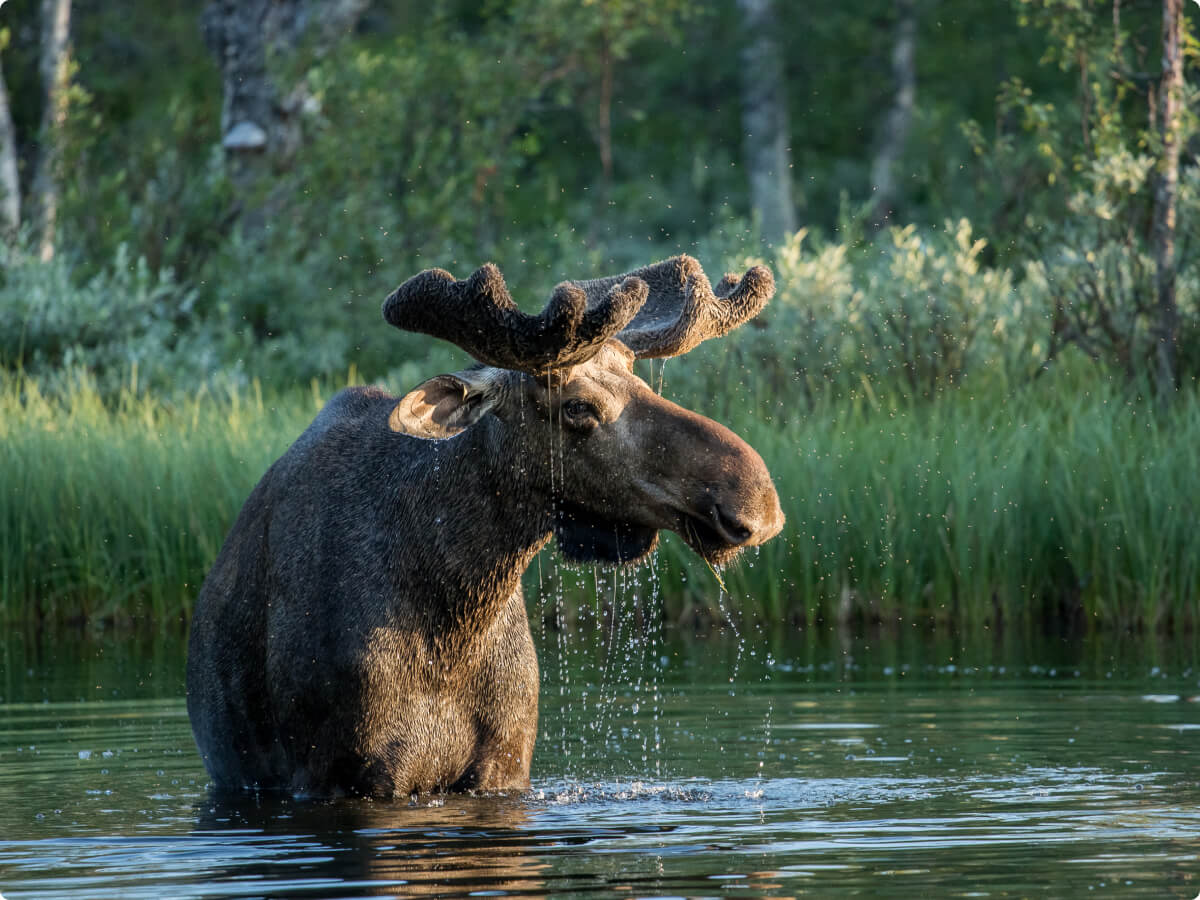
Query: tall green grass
pixel 1073 504
pixel 972 510
pixel 116 510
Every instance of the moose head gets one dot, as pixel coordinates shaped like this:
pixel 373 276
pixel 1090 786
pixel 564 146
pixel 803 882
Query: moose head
pixel 616 461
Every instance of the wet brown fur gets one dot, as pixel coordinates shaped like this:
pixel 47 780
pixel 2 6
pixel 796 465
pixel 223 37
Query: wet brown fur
pixel 363 629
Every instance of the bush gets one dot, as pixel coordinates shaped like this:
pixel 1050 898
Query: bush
pixel 915 310
pixel 1096 276
pixel 125 316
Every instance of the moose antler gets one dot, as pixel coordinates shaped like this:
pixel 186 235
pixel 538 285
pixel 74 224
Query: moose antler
pixel 683 310
pixel 659 310
pixel 479 315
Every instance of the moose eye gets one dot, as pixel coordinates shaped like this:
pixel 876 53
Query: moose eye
pixel 580 412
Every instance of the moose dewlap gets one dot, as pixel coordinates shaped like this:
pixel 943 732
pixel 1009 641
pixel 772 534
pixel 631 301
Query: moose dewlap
pixel 363 630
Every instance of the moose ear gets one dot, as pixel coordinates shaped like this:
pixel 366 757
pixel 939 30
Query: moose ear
pixel 443 406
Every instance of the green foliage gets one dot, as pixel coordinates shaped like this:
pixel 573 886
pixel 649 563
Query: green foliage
pixel 928 312
pixel 142 164
pixel 1065 503
pixel 559 139
pixel 915 311
pixel 891 382
pixel 452 176
pixel 1080 179
pixel 1069 501
pixel 1047 141
pixel 117 511
pixel 124 316
pixel 175 210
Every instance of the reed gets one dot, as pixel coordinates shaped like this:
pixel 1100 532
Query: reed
pixel 974 509
pixel 1069 503
pixel 116 509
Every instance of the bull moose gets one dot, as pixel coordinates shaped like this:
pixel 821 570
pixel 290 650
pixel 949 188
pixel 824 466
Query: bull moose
pixel 363 630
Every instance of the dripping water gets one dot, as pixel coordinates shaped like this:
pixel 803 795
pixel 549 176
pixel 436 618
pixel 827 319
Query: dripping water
pixel 660 661
pixel 611 691
pixel 630 663
pixel 727 616
pixel 769 661
pixel 759 641
pixel 560 601
pixel 609 676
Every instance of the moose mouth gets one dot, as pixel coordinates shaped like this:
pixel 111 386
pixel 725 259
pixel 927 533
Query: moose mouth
pixel 717 537
pixel 584 538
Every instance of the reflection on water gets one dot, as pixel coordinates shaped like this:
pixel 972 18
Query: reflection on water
pixel 455 844
pixel 887 767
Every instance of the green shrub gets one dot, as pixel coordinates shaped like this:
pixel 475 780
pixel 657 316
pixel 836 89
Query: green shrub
pixel 1095 279
pixel 124 317
pixel 914 311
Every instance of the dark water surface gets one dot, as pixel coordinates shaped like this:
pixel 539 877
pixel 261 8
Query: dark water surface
pixel 721 767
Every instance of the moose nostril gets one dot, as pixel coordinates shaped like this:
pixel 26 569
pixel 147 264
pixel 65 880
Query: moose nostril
pixel 731 525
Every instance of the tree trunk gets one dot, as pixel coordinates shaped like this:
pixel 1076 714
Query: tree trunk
pixel 894 132
pixel 10 187
pixel 765 122
pixel 260 120
pixel 1169 93
pixel 601 130
pixel 56 82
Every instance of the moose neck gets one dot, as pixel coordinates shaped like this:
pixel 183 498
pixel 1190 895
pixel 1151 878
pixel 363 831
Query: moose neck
pixel 472 498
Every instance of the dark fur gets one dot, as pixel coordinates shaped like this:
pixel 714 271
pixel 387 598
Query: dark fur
pixel 363 629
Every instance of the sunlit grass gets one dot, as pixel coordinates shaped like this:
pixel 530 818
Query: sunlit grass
pixel 972 510
pixel 1041 505
pixel 117 509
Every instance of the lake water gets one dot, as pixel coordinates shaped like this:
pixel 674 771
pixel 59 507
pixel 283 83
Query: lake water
pixel 773 766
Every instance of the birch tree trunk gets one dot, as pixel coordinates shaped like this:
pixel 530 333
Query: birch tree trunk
pixel 10 188
pixel 1166 191
pixel 894 132
pixel 253 40
pixel 765 121
pixel 56 82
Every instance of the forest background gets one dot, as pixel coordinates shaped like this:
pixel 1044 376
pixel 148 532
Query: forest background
pixel 976 386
